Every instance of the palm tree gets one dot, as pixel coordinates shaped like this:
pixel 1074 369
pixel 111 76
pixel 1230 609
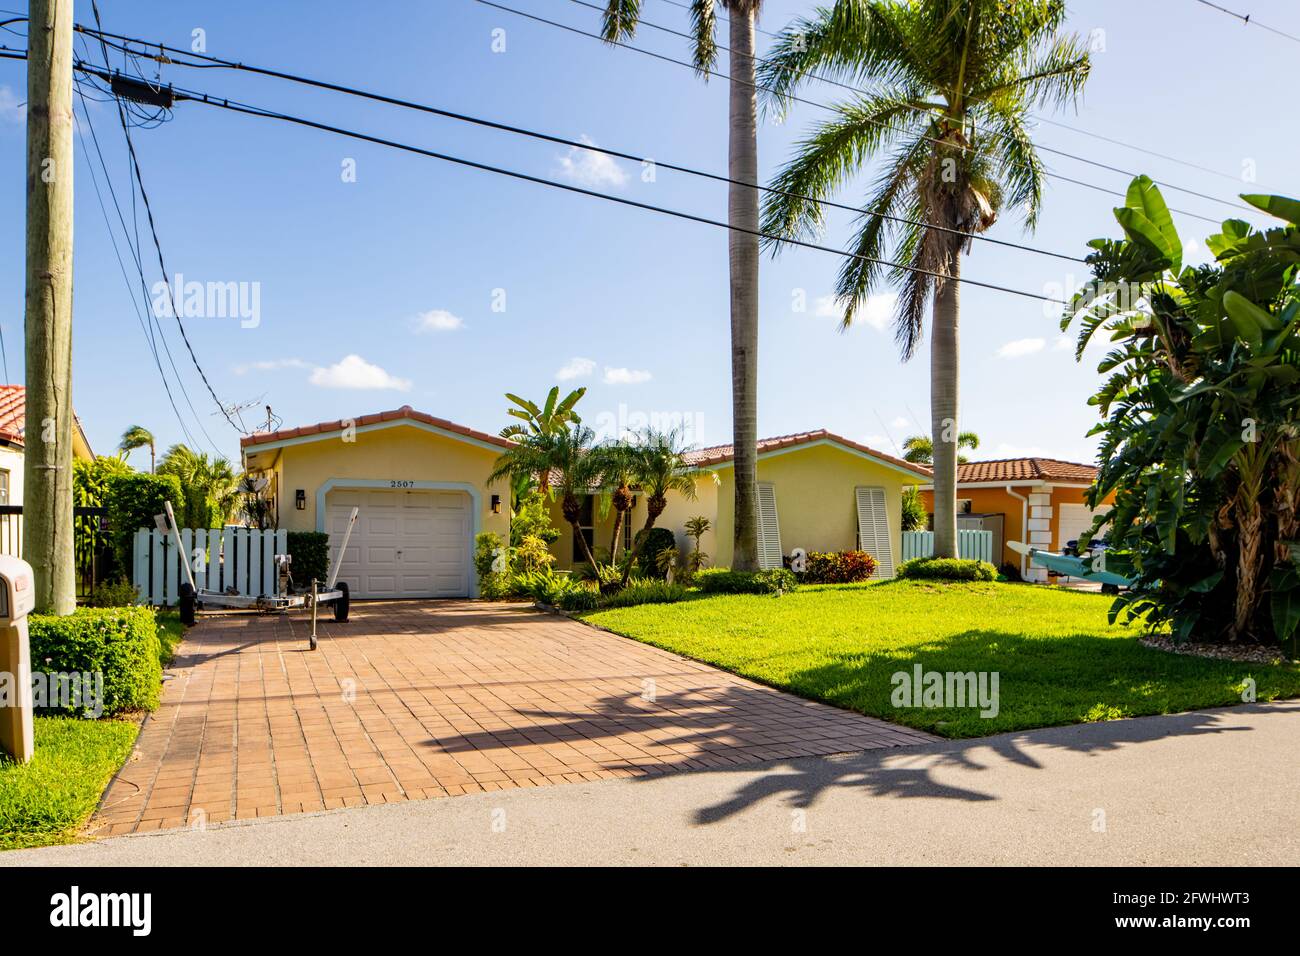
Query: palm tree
pixel 919 449
pixel 661 468
pixel 566 458
pixel 137 436
pixel 620 21
pixel 211 487
pixel 948 89
pixel 554 416
pixel 618 468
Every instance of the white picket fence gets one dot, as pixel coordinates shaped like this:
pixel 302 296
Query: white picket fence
pixel 971 544
pixel 220 558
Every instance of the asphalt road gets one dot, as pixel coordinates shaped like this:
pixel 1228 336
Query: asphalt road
pixel 1209 787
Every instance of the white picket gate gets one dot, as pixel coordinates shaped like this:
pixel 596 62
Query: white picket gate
pixel 971 544
pixel 220 558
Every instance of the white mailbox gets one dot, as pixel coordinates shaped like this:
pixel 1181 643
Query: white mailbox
pixel 17 597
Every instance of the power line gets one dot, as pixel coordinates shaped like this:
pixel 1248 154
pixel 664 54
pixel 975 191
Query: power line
pixel 135 304
pixel 1247 19
pixel 1037 117
pixel 825 106
pixel 859 91
pixel 251 110
pixel 217 62
pixel 153 229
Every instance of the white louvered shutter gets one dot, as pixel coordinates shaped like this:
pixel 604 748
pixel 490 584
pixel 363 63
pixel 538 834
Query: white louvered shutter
pixel 873 529
pixel 769 529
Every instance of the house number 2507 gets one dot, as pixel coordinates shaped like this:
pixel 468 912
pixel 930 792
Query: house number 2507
pixel 401 484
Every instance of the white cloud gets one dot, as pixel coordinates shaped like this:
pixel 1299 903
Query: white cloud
pixel 1064 343
pixel 12 109
pixel 576 368
pixel 625 376
pixel 438 320
pixel 1020 348
pixel 877 312
pixel 271 365
pixel 899 422
pixel 591 169
pixel 352 371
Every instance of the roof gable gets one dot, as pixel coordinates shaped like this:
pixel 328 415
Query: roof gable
pixel 722 454
pixel 405 414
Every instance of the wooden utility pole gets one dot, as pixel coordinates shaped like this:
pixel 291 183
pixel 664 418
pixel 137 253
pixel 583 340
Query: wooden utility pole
pixel 47 438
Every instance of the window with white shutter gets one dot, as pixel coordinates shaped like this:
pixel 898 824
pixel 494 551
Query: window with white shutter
pixel 873 529
pixel 769 529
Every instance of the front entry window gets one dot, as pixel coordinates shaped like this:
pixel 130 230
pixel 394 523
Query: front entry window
pixel 586 527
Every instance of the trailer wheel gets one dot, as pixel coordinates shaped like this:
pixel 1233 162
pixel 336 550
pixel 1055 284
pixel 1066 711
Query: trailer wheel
pixel 187 605
pixel 341 604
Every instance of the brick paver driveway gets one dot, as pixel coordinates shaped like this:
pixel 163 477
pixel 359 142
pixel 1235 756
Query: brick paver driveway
pixel 415 699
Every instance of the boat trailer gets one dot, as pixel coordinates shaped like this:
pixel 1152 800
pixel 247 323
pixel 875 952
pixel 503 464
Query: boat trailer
pixel 193 598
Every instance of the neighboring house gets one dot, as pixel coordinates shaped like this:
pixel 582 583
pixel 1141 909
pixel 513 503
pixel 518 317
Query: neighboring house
pixel 13 433
pixel 817 491
pixel 420 483
pixel 1036 500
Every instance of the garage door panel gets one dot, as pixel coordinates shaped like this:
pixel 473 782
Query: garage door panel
pixel 405 543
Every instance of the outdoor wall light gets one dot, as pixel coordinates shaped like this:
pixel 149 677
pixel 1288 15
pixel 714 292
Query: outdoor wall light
pixel 496 504
pixel 300 499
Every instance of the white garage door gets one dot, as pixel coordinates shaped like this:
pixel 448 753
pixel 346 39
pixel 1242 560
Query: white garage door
pixel 1075 520
pixel 405 543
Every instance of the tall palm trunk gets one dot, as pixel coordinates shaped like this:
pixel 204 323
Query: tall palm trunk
pixel 572 511
pixel 654 507
pixel 943 407
pixel 742 212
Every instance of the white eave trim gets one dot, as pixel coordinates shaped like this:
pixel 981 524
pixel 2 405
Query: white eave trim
pixel 775 452
pixel 374 426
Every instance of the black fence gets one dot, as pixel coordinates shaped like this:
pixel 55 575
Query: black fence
pixel 93 555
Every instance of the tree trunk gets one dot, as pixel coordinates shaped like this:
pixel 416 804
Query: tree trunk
pixel 613 541
pixel 943 408
pixel 654 507
pixel 742 211
pixel 47 459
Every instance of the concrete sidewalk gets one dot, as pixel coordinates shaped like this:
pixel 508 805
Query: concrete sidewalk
pixel 1208 787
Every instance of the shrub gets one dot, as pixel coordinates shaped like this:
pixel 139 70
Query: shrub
pixel 121 643
pixel 579 599
pixel 131 501
pixel 119 593
pixel 839 567
pixel 546 587
pixel 726 581
pixel 947 569
pixel 532 554
pixel 915 515
pixel 310 551
pixel 643 591
pixel 532 518
pixel 649 544
pixel 492 584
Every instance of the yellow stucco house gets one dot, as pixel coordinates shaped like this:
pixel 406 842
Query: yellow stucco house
pixel 420 484
pixel 817 491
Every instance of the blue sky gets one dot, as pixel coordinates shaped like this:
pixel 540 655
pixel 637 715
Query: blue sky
pixel 386 291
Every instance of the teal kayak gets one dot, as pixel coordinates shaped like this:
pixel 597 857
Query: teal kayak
pixel 1089 569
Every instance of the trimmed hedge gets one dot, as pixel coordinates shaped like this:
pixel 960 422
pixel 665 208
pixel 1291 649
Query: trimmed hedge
pixel 947 569
pixel 119 642
pixel 839 567
pixel 310 551
pixel 726 581
pixel 131 501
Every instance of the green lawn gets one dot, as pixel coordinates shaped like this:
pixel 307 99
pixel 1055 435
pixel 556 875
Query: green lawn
pixel 1057 659
pixel 48 800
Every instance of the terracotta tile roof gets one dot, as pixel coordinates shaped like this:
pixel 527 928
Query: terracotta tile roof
pixel 405 412
pixel 13 416
pixel 720 453
pixel 13 412
pixel 1025 469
